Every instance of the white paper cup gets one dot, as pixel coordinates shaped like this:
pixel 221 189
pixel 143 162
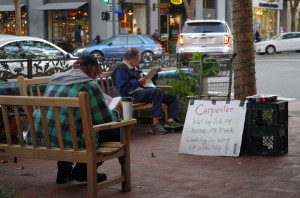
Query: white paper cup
pixel 127 108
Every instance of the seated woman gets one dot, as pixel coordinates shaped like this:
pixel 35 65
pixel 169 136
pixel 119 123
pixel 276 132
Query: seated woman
pixel 68 84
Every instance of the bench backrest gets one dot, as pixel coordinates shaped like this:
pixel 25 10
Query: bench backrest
pixel 32 83
pixel 81 102
pixel 107 84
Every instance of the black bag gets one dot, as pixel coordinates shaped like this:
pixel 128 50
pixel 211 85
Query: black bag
pixel 12 124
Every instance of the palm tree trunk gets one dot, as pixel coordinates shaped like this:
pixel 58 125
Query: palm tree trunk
pixel 190 8
pixel 18 16
pixel 293 8
pixel 244 62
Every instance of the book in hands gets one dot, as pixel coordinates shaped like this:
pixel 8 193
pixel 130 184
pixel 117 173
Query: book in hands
pixel 111 102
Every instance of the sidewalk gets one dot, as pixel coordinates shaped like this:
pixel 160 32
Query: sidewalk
pixel 168 174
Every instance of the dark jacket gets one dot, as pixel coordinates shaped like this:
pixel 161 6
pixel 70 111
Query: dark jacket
pixel 126 80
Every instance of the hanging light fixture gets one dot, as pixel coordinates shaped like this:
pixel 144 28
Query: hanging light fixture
pixel 130 12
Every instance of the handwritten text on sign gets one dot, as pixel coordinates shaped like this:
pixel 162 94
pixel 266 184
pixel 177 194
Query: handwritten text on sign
pixel 213 129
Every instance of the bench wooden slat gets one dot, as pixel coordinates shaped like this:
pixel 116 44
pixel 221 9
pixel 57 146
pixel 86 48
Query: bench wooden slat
pixel 72 129
pixel 6 125
pixel 19 126
pixel 30 90
pixel 112 125
pixel 31 124
pixel 58 128
pixel 38 90
pixel 54 101
pixel 45 127
pixel 111 144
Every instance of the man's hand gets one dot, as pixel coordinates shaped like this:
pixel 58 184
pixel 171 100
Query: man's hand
pixel 159 70
pixel 120 106
pixel 142 80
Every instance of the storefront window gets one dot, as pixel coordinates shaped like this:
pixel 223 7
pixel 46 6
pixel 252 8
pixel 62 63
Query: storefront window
pixel 134 18
pixel 62 25
pixel 171 20
pixel 8 23
pixel 265 22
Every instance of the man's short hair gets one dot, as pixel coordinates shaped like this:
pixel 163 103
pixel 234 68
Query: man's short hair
pixel 79 26
pixel 131 52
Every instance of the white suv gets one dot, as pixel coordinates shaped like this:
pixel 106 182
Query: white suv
pixel 205 36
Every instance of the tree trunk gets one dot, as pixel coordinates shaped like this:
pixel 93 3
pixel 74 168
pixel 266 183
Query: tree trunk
pixel 18 17
pixel 190 8
pixel 293 8
pixel 244 62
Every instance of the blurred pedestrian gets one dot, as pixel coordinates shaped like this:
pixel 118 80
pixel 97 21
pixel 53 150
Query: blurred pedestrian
pixel 257 37
pixel 97 40
pixel 155 36
pixel 78 35
pixel 139 31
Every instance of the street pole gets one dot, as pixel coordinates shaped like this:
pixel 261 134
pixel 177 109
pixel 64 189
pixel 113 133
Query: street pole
pixel 113 18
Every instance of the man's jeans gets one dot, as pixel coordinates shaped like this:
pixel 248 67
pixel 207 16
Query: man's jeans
pixel 157 98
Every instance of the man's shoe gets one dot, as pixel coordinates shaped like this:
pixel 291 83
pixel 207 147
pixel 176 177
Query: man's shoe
pixel 173 126
pixel 158 129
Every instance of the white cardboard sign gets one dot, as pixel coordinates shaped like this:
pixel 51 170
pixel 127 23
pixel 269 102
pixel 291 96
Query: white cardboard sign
pixel 214 129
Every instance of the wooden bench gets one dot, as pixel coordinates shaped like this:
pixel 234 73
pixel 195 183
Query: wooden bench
pixel 108 87
pixel 106 83
pixel 90 155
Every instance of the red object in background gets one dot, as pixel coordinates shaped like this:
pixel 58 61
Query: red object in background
pixel 271 20
pixel 283 29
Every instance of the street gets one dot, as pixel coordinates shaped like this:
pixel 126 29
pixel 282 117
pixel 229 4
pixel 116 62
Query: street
pixel 278 74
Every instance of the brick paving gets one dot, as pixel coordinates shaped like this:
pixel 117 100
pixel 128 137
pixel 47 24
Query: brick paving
pixel 173 175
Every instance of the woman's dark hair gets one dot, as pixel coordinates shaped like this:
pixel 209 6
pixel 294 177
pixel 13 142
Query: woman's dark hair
pixel 132 52
pixel 86 63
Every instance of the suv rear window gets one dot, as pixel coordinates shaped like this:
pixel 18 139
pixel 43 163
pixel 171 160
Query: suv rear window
pixel 203 27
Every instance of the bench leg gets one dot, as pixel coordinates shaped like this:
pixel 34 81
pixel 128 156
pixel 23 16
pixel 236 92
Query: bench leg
pixel 125 163
pixel 92 179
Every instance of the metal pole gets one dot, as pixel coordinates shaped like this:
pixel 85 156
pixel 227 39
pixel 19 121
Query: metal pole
pixel 29 68
pixel 113 18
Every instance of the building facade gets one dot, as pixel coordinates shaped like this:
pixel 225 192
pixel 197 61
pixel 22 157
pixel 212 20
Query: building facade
pixel 266 17
pixel 56 20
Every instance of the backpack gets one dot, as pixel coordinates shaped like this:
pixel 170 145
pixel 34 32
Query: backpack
pixel 12 124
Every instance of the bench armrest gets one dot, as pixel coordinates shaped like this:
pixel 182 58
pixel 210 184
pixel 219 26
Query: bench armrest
pixel 164 87
pixel 112 125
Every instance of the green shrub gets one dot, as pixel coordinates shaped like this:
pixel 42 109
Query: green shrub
pixel 188 84
pixel 7 192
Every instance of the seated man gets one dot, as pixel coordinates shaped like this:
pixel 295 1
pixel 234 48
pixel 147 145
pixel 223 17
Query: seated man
pixel 130 82
pixel 69 84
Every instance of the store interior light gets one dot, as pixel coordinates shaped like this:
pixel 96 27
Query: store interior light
pixel 130 12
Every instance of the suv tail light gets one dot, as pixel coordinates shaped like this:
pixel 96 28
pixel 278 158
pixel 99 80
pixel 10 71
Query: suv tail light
pixel 160 47
pixel 180 39
pixel 226 38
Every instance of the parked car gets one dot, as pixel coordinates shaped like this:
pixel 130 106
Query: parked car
pixel 116 46
pixel 204 36
pixel 24 47
pixel 289 41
